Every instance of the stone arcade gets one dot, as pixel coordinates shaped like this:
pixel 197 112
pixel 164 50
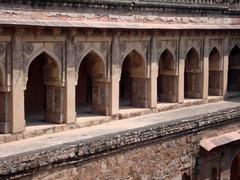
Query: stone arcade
pixel 61 61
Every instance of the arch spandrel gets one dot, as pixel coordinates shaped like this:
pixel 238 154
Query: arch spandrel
pixel 52 63
pixel 137 63
pixel 167 62
pixel 215 60
pixel 97 63
pixel 192 60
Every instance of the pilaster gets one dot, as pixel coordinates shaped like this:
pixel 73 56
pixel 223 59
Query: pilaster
pixel 205 70
pixel 225 65
pixel 17 92
pixel 114 85
pixel 70 107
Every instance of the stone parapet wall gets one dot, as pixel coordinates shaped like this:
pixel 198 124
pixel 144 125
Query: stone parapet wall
pixel 163 150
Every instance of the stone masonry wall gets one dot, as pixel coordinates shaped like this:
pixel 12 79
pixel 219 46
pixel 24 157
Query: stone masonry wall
pixel 165 151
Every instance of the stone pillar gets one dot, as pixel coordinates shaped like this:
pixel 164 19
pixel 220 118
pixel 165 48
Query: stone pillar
pixel 139 92
pixel 152 85
pixel 205 70
pixel 181 81
pixel 17 92
pixel 114 82
pixel 225 66
pixel 181 69
pixel 54 109
pixel 100 102
pixel 69 102
pixel 4 112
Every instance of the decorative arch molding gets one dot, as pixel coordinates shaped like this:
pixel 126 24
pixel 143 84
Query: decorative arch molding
pixel 31 50
pixel 101 48
pixel 94 51
pixel 215 43
pixel 232 43
pixel 193 43
pixel 194 50
pixel 129 52
pixel 127 47
pixel 175 62
pixel 220 67
pixel 170 45
pixel 34 56
pixel 100 58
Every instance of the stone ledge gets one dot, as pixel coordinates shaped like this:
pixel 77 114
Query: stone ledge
pixel 209 8
pixel 55 128
pixel 77 152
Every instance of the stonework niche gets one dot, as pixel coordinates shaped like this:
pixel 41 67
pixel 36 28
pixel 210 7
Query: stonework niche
pixel 43 92
pixel 167 79
pixel 192 75
pixel 91 88
pixel 133 83
pixel 215 73
pixel 234 70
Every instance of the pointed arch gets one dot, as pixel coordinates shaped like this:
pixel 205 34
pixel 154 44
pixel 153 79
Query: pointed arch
pixel 215 73
pixel 38 53
pixel 133 72
pixel 133 51
pixel 192 75
pixel 166 81
pixel 166 60
pixel 91 84
pixel 234 69
pixel 135 62
pixel 95 53
pixel 192 58
pixel 43 94
pixel 214 59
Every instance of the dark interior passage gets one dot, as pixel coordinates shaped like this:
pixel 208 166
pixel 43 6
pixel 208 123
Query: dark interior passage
pixel 215 73
pixel 84 87
pixel 35 94
pixel 90 84
pixel 166 81
pixel 42 94
pixel 234 70
pixel 131 85
pixel 192 75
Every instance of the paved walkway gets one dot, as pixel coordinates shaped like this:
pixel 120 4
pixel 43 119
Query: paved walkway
pixel 46 141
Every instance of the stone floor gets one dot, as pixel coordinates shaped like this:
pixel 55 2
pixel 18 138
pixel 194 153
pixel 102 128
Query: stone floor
pixel 51 140
pixel 40 127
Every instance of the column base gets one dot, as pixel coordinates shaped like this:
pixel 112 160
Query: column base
pixel 53 117
pixel 4 127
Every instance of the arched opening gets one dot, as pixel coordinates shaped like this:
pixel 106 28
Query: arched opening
pixel 214 174
pixel 192 75
pixel 166 82
pixel 234 71
pixel 42 98
pixel 91 86
pixel 132 83
pixel 235 168
pixel 215 73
